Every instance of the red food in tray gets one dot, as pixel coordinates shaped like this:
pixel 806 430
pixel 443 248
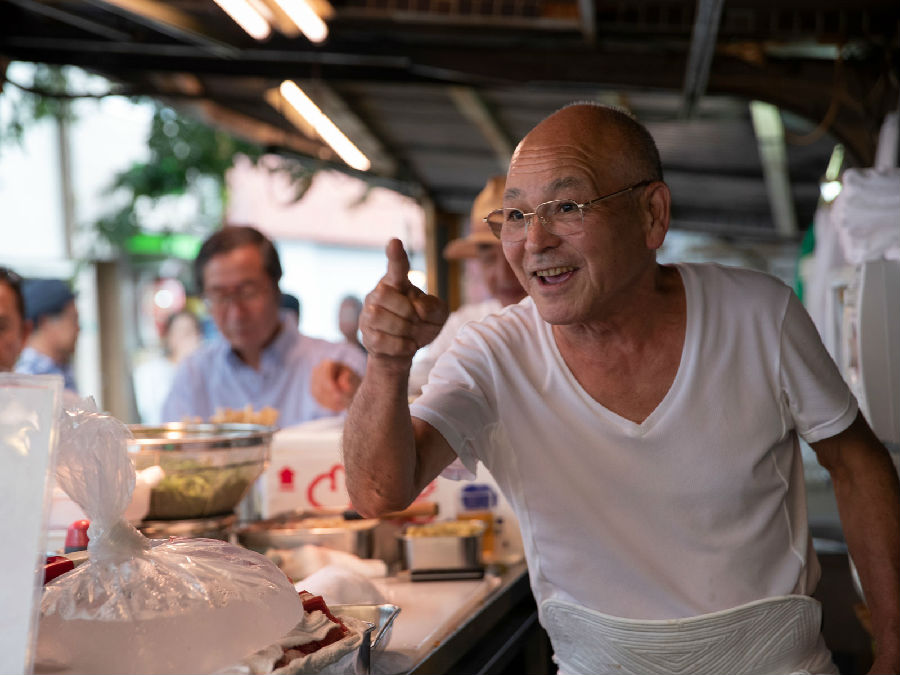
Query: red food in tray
pixel 314 603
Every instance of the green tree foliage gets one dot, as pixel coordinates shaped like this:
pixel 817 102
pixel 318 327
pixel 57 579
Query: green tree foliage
pixel 46 97
pixel 183 152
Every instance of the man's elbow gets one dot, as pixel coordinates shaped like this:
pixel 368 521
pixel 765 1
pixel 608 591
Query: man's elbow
pixel 373 505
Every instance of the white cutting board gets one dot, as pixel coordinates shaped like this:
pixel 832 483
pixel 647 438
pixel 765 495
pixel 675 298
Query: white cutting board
pixel 430 610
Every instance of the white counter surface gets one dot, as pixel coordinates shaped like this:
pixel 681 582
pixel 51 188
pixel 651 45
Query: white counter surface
pixel 429 612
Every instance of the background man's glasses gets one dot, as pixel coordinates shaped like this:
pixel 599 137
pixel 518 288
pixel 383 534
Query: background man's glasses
pixel 219 299
pixel 559 216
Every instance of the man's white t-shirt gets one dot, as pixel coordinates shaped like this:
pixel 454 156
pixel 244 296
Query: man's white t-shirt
pixel 418 374
pixel 699 508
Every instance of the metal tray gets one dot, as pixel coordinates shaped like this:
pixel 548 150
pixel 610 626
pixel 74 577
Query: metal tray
pixel 382 619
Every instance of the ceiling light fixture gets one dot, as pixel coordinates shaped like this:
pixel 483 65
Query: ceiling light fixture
pixel 247 17
pixel 306 18
pixel 342 145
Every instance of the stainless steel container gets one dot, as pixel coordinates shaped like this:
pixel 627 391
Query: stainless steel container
pixel 352 536
pixel 214 527
pixel 208 467
pixel 441 551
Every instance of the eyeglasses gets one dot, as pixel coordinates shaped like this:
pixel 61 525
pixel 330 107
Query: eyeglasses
pixel 558 216
pixel 244 293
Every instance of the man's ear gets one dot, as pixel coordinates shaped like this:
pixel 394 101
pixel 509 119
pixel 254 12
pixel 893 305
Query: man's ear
pixel 657 202
pixel 27 327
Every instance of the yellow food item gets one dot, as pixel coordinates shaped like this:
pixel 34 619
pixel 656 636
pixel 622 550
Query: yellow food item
pixel 336 521
pixel 267 416
pixel 445 529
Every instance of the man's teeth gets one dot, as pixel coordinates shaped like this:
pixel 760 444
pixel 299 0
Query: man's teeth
pixel 554 271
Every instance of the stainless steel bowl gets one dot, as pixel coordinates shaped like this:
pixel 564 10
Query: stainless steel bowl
pixel 208 467
pixel 352 536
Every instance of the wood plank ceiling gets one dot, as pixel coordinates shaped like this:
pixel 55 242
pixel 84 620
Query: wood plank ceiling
pixel 438 92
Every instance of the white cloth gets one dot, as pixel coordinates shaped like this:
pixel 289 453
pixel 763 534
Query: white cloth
pixel 306 560
pixel 826 265
pixel 775 636
pixel 866 214
pixel 342 586
pixel 418 374
pixel 699 508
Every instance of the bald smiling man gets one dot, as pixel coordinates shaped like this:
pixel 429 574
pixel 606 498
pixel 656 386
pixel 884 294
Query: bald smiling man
pixel 643 420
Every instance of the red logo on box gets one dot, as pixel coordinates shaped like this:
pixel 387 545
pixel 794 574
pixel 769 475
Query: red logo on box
pixel 323 484
pixel 286 479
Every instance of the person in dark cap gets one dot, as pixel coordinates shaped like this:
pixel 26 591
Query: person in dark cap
pixel 50 306
pixel 14 328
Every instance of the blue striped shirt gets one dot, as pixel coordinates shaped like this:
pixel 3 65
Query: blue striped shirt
pixel 215 377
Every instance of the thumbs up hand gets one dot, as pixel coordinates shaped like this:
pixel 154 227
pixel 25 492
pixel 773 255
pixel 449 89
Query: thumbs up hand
pixel 398 318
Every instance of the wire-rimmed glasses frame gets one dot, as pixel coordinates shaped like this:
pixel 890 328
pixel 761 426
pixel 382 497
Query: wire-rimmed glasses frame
pixel 558 216
pixel 244 293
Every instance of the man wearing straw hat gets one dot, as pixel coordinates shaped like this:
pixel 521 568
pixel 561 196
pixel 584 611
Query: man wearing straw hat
pixel 499 279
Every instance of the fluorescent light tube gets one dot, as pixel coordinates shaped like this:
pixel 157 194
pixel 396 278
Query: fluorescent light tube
pixel 305 17
pixel 247 17
pixel 342 145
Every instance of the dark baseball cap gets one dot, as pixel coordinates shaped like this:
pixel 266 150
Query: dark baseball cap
pixel 45 297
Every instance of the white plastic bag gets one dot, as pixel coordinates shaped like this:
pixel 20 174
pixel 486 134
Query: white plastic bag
pixel 167 606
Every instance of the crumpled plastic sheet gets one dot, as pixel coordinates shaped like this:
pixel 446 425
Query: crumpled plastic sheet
pixel 180 605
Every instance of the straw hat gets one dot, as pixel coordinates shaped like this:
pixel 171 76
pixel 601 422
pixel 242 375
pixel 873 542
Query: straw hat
pixel 490 198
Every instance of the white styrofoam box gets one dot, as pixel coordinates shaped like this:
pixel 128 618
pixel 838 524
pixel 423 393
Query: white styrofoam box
pixel 306 473
pixel 305 470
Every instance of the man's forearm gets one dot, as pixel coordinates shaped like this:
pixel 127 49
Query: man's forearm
pixel 869 504
pixel 379 443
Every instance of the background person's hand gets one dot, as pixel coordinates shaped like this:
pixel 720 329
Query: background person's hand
pixel 333 385
pixel 398 318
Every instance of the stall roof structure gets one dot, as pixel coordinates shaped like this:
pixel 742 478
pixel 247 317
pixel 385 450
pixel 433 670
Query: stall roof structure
pixel 438 92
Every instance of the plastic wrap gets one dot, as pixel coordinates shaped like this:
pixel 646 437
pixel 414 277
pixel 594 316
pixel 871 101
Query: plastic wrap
pixel 167 606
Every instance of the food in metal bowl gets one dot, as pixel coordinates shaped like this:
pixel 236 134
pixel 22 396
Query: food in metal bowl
pixel 208 467
pixel 442 545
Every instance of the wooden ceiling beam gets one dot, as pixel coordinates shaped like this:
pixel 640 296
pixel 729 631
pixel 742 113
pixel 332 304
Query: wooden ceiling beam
pixel 473 107
pixel 164 18
pixel 700 54
pixel 803 86
pixel 57 13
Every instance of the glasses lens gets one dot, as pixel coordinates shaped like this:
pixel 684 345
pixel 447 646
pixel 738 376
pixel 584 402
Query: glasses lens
pixel 561 216
pixel 513 225
pixel 245 293
pixel 495 221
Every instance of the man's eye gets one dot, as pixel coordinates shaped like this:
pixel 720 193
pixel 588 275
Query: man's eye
pixel 514 216
pixel 566 207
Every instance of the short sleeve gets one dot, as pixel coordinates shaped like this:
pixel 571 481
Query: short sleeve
pixel 457 401
pixel 817 397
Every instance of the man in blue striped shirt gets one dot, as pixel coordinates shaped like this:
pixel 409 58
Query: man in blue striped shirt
pixel 259 360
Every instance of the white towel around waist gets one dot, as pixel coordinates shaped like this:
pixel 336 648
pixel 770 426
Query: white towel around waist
pixel 775 636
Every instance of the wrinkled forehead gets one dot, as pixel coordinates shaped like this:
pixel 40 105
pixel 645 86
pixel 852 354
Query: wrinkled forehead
pixel 542 171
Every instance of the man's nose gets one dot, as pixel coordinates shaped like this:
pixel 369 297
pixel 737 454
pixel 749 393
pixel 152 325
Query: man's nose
pixel 234 308
pixel 537 234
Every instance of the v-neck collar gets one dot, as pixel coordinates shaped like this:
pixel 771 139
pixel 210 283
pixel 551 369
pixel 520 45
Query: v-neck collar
pixel 687 351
